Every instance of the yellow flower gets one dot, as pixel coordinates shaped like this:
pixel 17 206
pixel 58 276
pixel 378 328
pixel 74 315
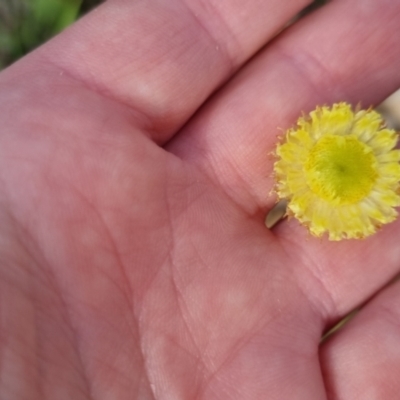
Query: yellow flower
pixel 339 172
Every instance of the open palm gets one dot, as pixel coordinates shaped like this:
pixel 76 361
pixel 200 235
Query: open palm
pixel 135 178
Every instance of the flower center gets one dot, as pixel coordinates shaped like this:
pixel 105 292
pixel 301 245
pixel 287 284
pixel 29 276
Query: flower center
pixel 341 169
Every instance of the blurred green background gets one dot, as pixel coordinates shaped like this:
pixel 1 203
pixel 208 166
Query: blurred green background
pixel 25 24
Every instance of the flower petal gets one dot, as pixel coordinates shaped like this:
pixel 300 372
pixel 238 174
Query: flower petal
pixel 337 120
pixel 366 124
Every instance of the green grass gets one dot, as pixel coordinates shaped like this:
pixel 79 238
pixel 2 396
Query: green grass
pixel 25 24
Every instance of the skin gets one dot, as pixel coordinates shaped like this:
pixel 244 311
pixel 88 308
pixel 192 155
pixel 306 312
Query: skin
pixel 134 181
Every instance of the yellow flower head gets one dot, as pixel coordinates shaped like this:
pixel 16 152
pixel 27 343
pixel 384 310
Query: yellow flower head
pixel 339 172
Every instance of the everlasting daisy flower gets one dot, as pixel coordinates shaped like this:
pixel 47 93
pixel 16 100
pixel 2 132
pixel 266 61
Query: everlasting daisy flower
pixel 339 172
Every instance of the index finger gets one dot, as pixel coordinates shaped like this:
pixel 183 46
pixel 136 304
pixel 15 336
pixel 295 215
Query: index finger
pixel 164 58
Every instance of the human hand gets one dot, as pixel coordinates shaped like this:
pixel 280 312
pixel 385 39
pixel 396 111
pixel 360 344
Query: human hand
pixel 135 263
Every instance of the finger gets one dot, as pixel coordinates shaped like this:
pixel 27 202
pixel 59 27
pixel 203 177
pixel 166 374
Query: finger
pixel 164 58
pixel 319 60
pixel 345 51
pixel 362 361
